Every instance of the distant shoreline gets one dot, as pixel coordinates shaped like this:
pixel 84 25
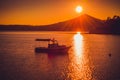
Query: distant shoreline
pixel 70 32
pixel 89 25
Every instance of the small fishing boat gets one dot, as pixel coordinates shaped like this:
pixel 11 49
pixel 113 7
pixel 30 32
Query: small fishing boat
pixel 53 47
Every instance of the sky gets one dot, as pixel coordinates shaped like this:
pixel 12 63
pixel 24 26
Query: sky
pixel 44 12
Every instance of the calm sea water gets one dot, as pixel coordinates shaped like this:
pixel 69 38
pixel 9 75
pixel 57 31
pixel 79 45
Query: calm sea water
pixel 87 59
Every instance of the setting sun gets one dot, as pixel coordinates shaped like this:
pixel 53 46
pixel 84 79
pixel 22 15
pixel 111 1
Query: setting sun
pixel 79 9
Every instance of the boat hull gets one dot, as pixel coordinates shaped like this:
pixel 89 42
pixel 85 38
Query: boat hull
pixel 51 50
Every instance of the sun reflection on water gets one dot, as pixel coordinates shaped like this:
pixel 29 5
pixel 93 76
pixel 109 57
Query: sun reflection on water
pixel 78 44
pixel 79 68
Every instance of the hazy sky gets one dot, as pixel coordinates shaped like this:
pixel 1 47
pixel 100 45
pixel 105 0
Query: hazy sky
pixel 42 12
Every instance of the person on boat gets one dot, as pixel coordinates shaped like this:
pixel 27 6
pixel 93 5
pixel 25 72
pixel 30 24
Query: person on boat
pixel 54 44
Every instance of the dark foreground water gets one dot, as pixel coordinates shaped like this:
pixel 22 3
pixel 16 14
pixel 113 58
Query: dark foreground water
pixel 86 60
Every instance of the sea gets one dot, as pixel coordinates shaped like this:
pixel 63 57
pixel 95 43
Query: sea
pixel 91 56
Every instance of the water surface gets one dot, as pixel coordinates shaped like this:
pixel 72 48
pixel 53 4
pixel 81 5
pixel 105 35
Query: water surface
pixel 87 59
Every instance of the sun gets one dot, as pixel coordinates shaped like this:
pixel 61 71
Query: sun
pixel 79 9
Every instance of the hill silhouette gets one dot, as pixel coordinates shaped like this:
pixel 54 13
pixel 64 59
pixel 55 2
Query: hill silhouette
pixel 83 23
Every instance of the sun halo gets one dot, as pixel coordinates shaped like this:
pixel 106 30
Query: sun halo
pixel 79 9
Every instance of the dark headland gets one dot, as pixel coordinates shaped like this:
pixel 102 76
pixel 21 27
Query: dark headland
pixel 83 23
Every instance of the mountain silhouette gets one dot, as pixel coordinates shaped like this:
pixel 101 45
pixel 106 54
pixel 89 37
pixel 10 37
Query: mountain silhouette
pixel 83 23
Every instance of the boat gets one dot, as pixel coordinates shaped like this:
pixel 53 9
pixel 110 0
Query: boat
pixel 53 47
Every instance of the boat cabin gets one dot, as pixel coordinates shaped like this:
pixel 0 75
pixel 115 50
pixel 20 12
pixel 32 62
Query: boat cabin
pixel 51 42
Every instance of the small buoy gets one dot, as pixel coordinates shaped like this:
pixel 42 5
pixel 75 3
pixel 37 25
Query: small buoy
pixel 109 54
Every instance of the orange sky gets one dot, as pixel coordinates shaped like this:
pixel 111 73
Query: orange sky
pixel 43 12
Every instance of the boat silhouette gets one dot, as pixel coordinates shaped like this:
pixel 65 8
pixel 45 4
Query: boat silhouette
pixel 53 47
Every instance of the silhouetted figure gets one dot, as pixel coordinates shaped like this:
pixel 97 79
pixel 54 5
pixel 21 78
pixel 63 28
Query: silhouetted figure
pixel 109 55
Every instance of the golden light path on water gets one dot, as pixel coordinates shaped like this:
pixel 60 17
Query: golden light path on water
pixel 79 63
pixel 78 44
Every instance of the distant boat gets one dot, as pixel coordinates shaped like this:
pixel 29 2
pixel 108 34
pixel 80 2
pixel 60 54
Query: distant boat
pixel 53 47
pixel 110 54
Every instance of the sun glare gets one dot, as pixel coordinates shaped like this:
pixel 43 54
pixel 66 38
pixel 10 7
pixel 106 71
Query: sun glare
pixel 79 9
pixel 78 32
pixel 78 38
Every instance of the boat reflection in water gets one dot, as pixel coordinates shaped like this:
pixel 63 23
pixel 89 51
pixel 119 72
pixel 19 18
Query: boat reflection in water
pixel 79 64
